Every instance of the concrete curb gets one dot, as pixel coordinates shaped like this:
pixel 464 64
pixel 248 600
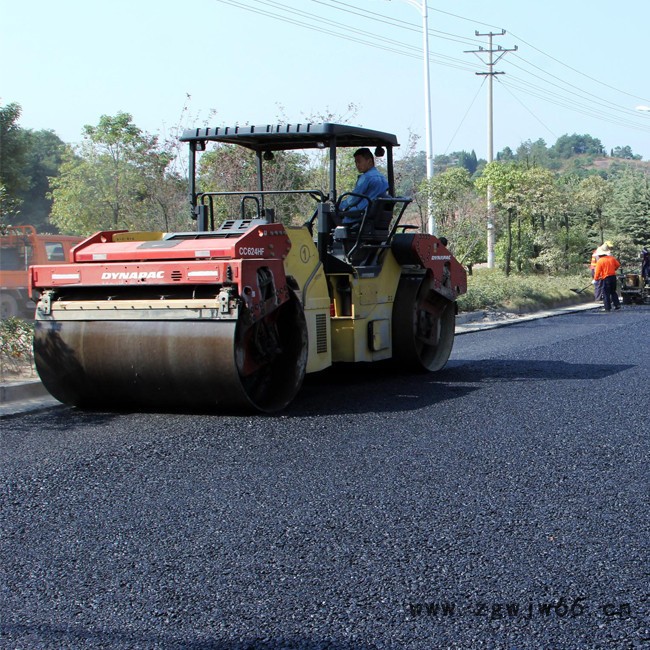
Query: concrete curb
pixel 20 390
pixel 483 320
pixel 10 409
pixel 470 316
pixel 24 397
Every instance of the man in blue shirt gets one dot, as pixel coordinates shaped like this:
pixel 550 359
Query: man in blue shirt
pixel 371 183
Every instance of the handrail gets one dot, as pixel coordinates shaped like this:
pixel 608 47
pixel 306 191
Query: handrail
pixel 318 193
pixel 378 201
pixel 201 197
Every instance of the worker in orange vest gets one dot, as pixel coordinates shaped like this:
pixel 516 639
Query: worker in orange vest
pixel 598 289
pixel 605 272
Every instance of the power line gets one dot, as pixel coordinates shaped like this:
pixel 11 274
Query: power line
pixel 466 114
pixel 392 45
pixel 395 22
pixel 558 100
pixel 490 74
pixel 533 47
pixel 470 20
pixel 528 110
pixel 595 99
pixel 602 83
pixel 578 100
pixel 605 104
pixel 315 28
pixel 612 113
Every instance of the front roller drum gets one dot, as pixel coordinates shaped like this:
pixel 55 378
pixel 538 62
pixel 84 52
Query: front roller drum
pixel 424 324
pixel 175 364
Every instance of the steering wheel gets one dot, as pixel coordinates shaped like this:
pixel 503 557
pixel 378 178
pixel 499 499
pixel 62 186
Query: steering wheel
pixel 337 205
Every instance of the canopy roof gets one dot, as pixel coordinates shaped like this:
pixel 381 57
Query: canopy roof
pixel 277 137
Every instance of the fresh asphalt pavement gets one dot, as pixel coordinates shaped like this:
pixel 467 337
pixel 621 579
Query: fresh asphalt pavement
pixel 500 503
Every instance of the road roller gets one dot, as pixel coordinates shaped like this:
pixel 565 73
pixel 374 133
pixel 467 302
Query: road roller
pixel 232 315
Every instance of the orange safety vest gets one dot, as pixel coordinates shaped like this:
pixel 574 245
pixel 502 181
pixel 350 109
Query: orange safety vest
pixel 594 259
pixel 605 267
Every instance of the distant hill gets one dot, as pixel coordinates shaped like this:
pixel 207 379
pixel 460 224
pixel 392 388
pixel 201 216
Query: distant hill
pixel 605 163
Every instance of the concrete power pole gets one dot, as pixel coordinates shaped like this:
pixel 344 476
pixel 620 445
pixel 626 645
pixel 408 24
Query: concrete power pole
pixel 491 62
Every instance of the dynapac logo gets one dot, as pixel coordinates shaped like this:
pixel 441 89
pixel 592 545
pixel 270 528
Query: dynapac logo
pixel 134 275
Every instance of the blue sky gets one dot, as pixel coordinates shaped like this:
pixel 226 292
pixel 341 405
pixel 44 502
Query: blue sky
pixel 581 66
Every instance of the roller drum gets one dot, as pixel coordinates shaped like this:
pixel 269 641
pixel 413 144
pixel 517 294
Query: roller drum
pixel 424 324
pixel 223 365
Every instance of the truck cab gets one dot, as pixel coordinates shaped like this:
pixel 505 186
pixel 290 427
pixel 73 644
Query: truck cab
pixel 21 247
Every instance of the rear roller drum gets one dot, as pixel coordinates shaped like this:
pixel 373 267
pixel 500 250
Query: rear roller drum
pixel 423 325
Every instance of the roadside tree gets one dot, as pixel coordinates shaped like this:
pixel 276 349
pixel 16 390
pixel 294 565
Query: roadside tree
pixel 13 150
pixel 629 208
pixel 108 182
pixel 459 214
pixel 506 183
pixel 593 194
pixel 43 158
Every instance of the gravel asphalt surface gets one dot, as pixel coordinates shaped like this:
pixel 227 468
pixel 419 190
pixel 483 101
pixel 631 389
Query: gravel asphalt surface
pixel 501 503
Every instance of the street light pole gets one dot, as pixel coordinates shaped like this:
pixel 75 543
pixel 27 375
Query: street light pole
pixel 422 6
pixel 427 112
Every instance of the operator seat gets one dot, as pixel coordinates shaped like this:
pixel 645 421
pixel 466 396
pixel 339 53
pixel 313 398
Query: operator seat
pixel 375 227
pixel 360 243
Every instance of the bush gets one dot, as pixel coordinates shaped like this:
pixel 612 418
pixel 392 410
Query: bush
pixel 491 289
pixel 16 337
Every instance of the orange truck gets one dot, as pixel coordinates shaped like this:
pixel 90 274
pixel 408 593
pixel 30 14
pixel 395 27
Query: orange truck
pixel 20 247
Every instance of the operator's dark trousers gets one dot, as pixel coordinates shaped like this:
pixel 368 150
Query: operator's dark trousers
pixel 610 297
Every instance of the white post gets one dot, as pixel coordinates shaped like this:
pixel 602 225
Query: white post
pixel 422 6
pixel 427 111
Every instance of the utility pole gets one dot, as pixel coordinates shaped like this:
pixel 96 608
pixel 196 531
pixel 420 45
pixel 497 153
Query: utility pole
pixel 491 62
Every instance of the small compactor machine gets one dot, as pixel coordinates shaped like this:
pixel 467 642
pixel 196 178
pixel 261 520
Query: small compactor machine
pixel 233 315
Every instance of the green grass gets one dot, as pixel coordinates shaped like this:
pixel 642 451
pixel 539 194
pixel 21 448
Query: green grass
pixel 491 289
